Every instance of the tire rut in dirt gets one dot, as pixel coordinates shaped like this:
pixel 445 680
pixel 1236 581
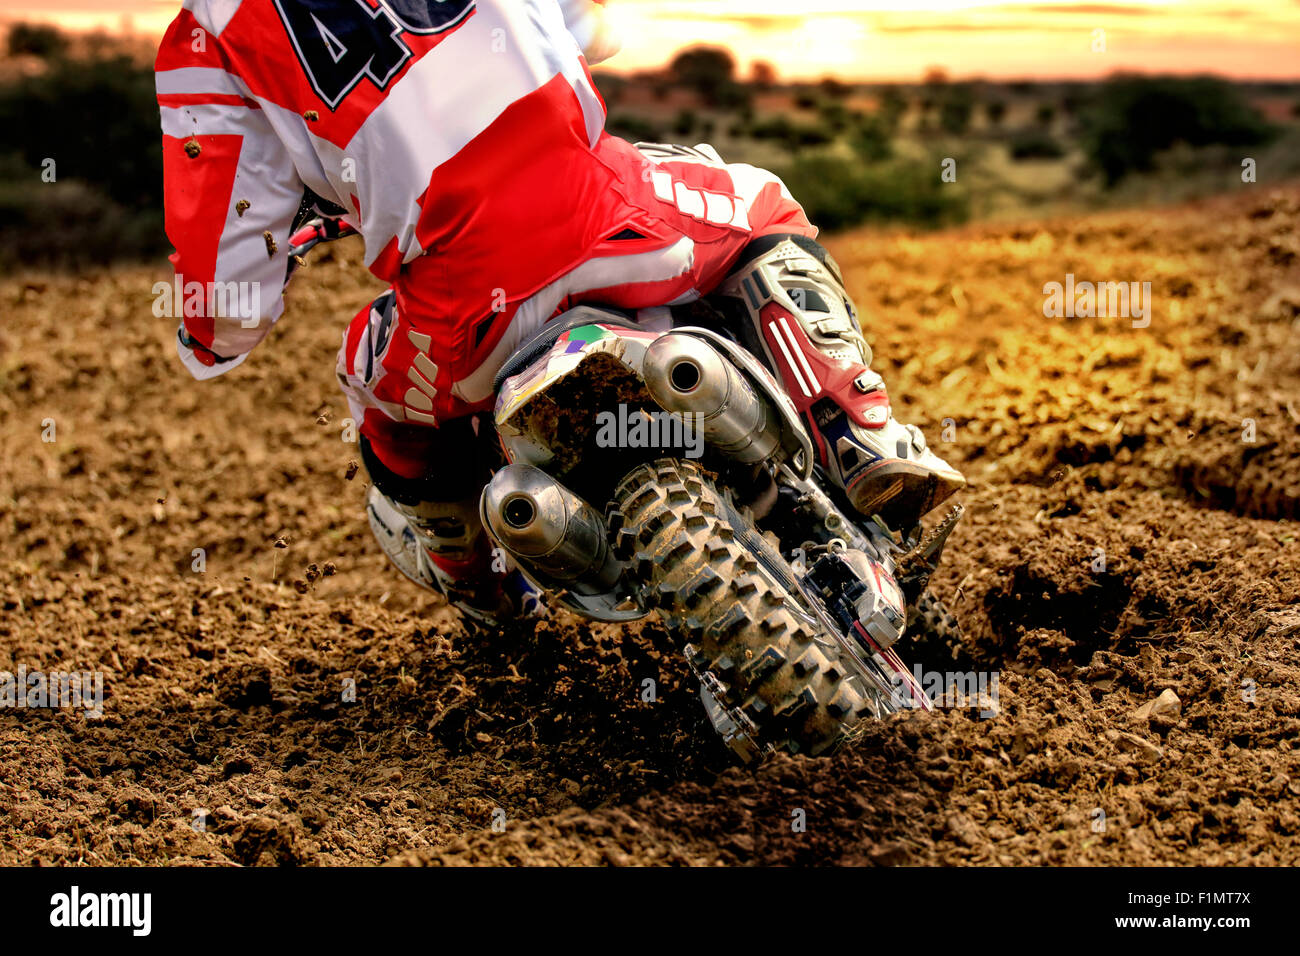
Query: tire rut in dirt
pixel 1258 481
pixel 675 527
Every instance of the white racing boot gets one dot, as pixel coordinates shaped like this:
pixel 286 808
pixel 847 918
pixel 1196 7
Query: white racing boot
pixel 803 324
pixel 442 547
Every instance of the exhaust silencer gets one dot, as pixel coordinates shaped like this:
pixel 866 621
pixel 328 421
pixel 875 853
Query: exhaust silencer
pixel 686 375
pixel 550 530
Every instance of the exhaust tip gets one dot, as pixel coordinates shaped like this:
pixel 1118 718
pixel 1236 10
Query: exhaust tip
pixel 685 376
pixel 519 511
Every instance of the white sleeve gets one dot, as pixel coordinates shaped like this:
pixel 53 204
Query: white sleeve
pixel 231 195
pixel 587 22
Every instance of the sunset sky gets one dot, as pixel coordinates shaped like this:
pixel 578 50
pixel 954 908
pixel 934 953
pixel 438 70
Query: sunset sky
pixel 895 39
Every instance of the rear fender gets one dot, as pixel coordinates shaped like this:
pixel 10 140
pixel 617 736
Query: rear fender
pixel 628 346
pixel 573 348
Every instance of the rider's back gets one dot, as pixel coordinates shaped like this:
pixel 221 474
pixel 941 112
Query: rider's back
pixel 459 125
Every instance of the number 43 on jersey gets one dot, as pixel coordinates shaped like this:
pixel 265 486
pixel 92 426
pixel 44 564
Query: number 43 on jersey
pixel 341 42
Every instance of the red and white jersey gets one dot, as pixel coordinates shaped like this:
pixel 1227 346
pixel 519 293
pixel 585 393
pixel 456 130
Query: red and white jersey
pixel 438 125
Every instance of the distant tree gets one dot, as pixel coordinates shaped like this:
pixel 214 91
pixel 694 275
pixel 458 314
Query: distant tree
pixel 935 76
pixel 811 136
pixel 762 74
pixel 1073 101
pixel 36 39
pixel 789 134
pixel 955 108
pixel 1035 144
pixel 733 96
pixel 892 107
pixel 871 139
pixel 838 193
pixel 835 114
pixel 98 116
pixel 709 71
pixel 1044 115
pixel 633 128
pixel 995 112
pixel 685 123
pixel 1131 118
pixel 834 88
pixel 776 128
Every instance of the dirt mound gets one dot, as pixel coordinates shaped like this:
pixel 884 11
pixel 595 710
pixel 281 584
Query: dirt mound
pixel 273 694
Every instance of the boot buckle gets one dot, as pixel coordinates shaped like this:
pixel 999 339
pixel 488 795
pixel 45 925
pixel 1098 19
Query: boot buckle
pixel 868 382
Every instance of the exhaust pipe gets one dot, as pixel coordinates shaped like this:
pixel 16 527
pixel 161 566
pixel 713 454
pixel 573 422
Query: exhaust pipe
pixel 687 376
pixel 550 530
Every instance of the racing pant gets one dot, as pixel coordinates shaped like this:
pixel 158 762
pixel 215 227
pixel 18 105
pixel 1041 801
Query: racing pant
pixel 417 364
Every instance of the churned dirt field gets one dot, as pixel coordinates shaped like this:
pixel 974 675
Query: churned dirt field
pixel 1122 540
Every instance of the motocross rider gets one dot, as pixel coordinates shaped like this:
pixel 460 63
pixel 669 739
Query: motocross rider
pixel 464 140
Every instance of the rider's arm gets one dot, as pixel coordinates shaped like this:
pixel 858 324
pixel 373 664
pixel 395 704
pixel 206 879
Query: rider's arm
pixel 591 28
pixel 229 183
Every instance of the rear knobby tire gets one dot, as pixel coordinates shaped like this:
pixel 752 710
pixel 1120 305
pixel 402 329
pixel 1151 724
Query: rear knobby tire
pixel 933 630
pixel 679 534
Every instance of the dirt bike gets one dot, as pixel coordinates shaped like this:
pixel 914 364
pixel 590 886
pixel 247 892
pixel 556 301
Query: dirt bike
pixel 667 471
